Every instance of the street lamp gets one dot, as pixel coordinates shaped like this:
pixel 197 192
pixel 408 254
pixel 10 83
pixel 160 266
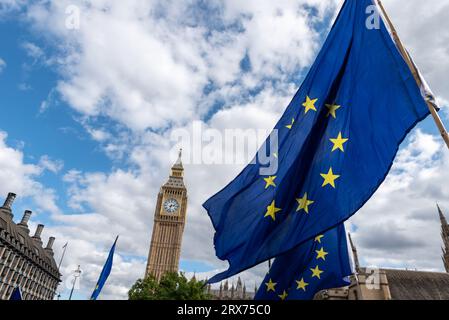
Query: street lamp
pixel 76 275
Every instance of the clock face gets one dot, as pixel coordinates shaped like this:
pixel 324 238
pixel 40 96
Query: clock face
pixel 171 205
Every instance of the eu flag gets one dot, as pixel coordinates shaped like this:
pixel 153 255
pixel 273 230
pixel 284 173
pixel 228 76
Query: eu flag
pixel 16 295
pixel 318 264
pixel 104 273
pixel 336 143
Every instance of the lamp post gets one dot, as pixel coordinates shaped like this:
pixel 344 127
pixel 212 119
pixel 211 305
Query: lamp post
pixel 76 275
pixel 60 262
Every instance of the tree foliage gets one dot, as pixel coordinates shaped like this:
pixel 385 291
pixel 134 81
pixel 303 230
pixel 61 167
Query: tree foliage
pixel 173 286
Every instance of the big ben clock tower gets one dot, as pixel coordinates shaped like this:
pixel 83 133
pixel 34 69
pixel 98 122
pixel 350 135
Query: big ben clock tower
pixel 168 227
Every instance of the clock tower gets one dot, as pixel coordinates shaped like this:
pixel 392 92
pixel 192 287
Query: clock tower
pixel 168 227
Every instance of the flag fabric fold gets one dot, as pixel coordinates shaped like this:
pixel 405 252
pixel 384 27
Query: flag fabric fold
pixel 318 264
pixel 336 144
pixel 104 273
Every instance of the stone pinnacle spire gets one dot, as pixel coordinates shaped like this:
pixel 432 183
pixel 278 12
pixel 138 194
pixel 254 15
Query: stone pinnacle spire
pixel 354 254
pixel 445 236
pixel 442 217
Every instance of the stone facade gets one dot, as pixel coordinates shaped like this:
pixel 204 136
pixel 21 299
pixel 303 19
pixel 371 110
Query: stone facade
pixel 169 222
pixel 390 284
pixel 226 292
pixel 24 262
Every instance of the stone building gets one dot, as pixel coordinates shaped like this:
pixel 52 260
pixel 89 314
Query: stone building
pixel 390 284
pixel 24 262
pixel 169 222
pixel 226 292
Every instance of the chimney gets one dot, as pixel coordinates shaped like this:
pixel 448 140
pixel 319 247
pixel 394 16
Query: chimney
pixel 37 234
pixel 26 217
pixel 9 200
pixel 49 247
pixel 50 243
pixel 6 208
pixel 24 223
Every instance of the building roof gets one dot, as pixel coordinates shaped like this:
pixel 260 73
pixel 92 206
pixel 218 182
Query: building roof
pixel 17 237
pixel 175 182
pixel 176 177
pixel 417 285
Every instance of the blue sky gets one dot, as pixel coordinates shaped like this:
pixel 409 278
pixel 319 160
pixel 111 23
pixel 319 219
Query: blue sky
pixel 25 85
pixel 88 115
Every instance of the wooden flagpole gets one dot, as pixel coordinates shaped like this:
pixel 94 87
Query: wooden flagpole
pixel 415 73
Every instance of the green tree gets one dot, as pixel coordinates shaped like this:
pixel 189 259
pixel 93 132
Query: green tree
pixel 173 286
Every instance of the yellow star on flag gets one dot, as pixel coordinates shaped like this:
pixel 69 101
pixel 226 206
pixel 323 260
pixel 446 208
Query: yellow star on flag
pixel 271 286
pixel 318 238
pixel 309 104
pixel 304 203
pixel 338 143
pixel 272 210
pixel 332 110
pixel 290 126
pixel 321 254
pixel 329 178
pixel 302 284
pixel 270 182
pixel 316 272
pixel 284 295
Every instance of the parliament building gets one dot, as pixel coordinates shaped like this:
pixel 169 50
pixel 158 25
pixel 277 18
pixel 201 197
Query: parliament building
pixel 24 261
pixel 394 284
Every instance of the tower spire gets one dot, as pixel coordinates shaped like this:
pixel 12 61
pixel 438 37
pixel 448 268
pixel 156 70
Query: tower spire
pixel 179 157
pixel 177 170
pixel 442 217
pixel 354 254
pixel 178 163
pixel 445 236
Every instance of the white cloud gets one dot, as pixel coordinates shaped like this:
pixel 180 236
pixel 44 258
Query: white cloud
pixel 51 165
pixel 424 30
pixel 48 102
pixel 33 50
pixel 147 64
pixel 121 203
pixel 87 250
pixel 399 226
pixel 22 178
pixel 8 6
pixel 98 134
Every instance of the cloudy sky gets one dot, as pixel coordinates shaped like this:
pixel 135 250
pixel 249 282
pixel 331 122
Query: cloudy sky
pixel 89 107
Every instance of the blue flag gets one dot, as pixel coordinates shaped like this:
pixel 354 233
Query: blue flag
pixel 336 144
pixel 104 273
pixel 16 295
pixel 318 264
